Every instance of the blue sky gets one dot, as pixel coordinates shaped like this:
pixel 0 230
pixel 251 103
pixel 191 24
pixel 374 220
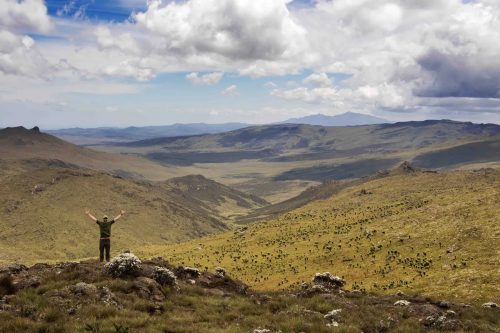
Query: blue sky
pixel 89 63
pixel 116 10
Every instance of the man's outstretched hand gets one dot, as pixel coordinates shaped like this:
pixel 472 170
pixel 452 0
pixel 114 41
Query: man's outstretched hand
pixel 87 211
pixel 122 212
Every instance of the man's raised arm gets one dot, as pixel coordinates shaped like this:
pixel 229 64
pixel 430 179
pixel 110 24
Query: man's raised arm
pixel 119 216
pixel 90 215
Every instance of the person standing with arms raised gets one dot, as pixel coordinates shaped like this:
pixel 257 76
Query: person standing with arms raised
pixel 105 231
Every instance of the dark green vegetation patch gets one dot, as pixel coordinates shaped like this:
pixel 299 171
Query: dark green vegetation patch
pixel 337 172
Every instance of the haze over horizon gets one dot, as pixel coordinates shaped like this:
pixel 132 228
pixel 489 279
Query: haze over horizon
pixel 84 63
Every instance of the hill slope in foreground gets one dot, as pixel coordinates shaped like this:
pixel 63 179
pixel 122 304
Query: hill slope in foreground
pixel 427 233
pixel 42 212
pixel 84 297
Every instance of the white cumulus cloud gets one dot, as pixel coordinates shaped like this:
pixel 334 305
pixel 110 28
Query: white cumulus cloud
pixel 137 69
pixel 123 41
pixel 206 79
pixel 25 15
pixel 19 57
pixel 233 29
pixel 318 79
pixel 230 91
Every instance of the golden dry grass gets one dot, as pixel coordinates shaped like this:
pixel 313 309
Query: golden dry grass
pixel 50 224
pixel 432 234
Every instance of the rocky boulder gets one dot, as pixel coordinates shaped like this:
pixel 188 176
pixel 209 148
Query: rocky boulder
pixel 443 304
pixel 188 272
pixel 149 289
pixel 490 305
pixel 224 285
pixel 332 317
pixel 13 269
pixel 220 272
pixel 24 282
pixel 441 322
pixel 106 296
pixel 261 330
pixel 82 288
pixel 328 280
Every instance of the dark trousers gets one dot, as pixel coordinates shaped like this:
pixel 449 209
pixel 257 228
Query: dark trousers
pixel 104 244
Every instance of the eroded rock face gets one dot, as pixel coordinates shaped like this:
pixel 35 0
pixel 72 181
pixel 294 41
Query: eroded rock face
pixel 125 264
pixel 149 289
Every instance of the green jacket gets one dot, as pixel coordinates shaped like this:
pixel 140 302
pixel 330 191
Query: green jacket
pixel 105 228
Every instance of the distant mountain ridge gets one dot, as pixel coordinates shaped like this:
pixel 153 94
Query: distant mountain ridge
pixel 302 142
pixel 89 136
pixel 272 161
pixel 344 119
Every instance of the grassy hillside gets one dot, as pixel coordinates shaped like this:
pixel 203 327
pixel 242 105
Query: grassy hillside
pixel 221 200
pixel 344 119
pixel 475 152
pixel 289 142
pixel 350 170
pixel 42 212
pixel 416 232
pixel 19 143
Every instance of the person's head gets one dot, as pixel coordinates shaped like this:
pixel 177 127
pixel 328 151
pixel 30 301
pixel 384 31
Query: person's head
pixel 105 218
